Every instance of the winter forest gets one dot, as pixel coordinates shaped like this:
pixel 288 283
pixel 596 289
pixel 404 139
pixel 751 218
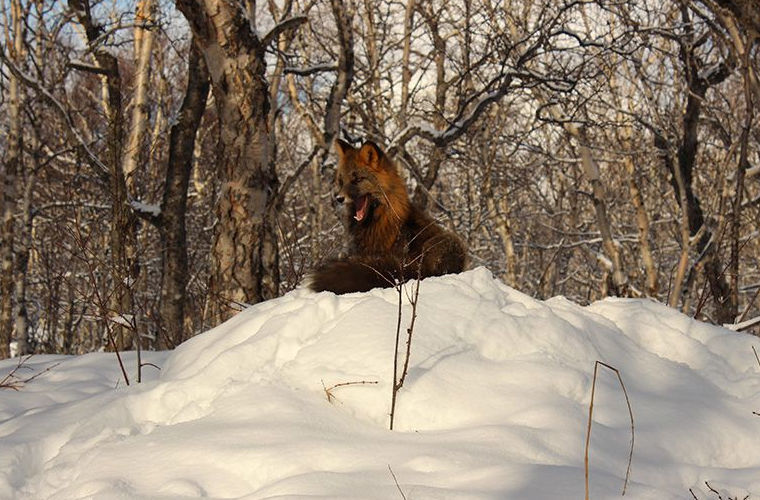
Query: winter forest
pixel 166 164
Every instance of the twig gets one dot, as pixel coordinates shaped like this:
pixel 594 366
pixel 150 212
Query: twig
pixel 409 331
pixel 713 490
pixel 395 357
pixel 590 414
pixel 100 301
pixel 395 480
pixel 328 390
pixel 398 381
pixel 11 381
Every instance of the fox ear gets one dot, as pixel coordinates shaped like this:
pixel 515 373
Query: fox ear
pixel 342 147
pixel 370 154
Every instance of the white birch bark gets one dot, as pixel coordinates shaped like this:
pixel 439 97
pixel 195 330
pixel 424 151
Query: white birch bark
pixel 145 17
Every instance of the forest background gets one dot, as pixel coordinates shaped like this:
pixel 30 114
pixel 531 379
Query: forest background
pixel 166 164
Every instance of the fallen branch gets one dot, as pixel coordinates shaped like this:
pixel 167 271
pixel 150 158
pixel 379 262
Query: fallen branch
pixel 590 415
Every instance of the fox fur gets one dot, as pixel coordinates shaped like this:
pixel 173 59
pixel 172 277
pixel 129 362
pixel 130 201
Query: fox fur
pixel 390 239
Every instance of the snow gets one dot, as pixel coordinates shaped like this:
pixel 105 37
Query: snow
pixel 145 208
pixel 743 325
pixel 495 405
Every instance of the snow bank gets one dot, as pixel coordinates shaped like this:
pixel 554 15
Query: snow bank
pixel 495 405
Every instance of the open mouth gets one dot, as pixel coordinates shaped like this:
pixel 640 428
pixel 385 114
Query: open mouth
pixel 360 206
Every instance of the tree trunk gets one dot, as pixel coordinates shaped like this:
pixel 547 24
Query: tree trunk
pixel 421 196
pixel 21 330
pixel 10 175
pixel 123 240
pixel 642 221
pixel 244 255
pixel 171 223
pixel 609 244
pixel 682 172
pixel 140 109
pixel 503 227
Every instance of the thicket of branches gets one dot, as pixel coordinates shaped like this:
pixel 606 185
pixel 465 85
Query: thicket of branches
pixel 163 167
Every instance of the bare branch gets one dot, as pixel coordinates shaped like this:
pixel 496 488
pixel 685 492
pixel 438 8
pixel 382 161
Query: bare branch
pixel 283 26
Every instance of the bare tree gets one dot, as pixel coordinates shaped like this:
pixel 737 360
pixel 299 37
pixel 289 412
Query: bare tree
pixel 171 219
pixel 143 48
pixel 123 243
pixel 245 255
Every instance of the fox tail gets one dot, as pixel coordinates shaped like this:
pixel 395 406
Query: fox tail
pixel 359 274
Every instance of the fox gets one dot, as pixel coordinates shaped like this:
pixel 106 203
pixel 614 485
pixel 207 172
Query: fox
pixel 390 239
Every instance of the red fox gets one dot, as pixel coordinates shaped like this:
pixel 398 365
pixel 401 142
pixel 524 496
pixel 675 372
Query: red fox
pixel 391 240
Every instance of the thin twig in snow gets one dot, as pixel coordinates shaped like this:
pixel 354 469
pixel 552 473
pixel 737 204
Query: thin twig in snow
pixel 328 390
pixel 12 381
pixel 395 480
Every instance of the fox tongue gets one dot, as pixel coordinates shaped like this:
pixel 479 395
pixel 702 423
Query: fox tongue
pixel 361 208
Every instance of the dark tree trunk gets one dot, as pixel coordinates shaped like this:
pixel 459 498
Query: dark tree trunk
pixel 171 222
pixel 698 83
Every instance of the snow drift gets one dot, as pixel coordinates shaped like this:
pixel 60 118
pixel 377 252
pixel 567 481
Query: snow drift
pixel 495 405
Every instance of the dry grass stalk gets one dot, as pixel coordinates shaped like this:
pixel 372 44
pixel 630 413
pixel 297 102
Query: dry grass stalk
pixel 590 415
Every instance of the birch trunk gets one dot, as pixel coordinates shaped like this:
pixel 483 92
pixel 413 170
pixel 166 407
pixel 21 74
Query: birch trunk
pixel 503 227
pixel 245 254
pixel 21 333
pixel 406 70
pixel 591 170
pixel 11 173
pixel 123 240
pixel 145 16
pixel 421 196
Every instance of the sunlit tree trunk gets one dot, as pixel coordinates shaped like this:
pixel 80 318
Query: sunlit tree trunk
pixel 11 173
pixel 421 195
pixel 245 252
pixel 123 241
pixel 145 18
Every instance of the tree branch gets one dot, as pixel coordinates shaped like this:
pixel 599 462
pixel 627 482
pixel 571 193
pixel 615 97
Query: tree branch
pixel 288 24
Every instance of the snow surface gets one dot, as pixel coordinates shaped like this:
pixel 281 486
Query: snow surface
pixel 495 405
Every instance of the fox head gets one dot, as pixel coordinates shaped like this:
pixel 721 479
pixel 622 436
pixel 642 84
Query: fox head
pixel 368 184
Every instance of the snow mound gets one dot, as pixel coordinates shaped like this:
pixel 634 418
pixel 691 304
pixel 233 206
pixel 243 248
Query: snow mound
pixel 495 405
